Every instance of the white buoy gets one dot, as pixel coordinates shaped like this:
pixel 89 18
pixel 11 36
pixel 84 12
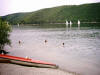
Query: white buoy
pixel 66 23
pixel 78 22
pixel 70 23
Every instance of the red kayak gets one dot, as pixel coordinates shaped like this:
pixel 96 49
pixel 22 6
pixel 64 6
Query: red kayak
pixel 27 61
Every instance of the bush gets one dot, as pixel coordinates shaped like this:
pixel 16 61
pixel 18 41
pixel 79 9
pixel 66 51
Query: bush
pixel 5 30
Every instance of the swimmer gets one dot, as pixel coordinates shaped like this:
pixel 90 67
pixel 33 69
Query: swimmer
pixel 45 41
pixel 19 42
pixel 63 44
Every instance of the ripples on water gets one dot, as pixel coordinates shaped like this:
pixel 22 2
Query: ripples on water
pixel 80 53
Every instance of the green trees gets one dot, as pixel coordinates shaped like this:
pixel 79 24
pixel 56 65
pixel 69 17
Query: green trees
pixel 85 13
pixel 4 34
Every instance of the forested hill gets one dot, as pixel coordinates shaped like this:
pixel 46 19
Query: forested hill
pixel 85 13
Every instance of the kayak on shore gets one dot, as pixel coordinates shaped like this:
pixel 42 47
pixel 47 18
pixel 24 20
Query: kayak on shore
pixel 26 61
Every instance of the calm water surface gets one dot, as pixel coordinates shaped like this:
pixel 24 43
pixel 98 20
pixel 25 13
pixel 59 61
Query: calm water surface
pixel 80 54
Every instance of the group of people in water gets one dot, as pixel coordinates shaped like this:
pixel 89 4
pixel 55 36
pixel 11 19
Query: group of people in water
pixel 62 43
pixel 44 41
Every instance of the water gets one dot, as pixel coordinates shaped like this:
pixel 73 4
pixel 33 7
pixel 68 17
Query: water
pixel 80 53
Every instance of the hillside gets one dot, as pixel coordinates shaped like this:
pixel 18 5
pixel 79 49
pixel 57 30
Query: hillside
pixel 85 12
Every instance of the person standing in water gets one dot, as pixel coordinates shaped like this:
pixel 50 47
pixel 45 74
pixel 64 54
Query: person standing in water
pixel 63 44
pixel 19 42
pixel 45 41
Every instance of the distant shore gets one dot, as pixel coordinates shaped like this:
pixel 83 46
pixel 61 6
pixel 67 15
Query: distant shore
pixel 60 23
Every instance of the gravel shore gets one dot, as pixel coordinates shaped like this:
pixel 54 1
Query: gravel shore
pixel 12 69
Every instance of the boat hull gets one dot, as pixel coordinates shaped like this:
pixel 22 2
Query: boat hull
pixel 30 64
pixel 26 62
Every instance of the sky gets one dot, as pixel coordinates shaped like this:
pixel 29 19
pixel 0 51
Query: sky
pixel 15 6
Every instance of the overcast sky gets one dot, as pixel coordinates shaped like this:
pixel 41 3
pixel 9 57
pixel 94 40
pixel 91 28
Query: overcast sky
pixel 13 6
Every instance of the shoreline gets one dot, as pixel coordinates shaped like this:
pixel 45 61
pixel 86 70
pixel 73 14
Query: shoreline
pixel 57 23
pixel 13 69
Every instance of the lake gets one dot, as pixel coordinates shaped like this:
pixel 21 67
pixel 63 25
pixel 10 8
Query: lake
pixel 80 52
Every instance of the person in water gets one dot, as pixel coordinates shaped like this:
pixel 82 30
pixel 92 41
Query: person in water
pixel 19 42
pixel 63 44
pixel 45 41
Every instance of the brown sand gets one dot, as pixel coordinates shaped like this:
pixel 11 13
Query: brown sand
pixel 12 69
